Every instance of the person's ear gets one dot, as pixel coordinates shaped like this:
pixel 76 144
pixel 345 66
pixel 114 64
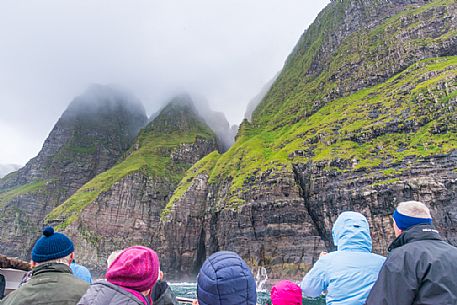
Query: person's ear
pixel 72 257
pixel 397 230
pixel 33 264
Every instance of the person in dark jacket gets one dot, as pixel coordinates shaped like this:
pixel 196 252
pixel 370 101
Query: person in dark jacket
pixel 52 281
pixel 421 267
pixel 225 279
pixel 2 286
pixel 129 279
pixel 162 293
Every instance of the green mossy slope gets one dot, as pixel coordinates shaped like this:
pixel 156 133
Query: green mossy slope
pixel 204 166
pixel 413 114
pixel 315 73
pixel 342 101
pixel 29 188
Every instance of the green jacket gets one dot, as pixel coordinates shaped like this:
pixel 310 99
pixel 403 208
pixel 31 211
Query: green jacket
pixel 51 284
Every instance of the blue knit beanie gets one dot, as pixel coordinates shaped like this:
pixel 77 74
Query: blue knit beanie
pixel 404 222
pixel 52 245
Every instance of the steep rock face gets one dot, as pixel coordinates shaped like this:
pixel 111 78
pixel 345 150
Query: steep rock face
pixel 273 230
pixel 341 129
pixel 431 180
pixel 123 205
pixel 94 131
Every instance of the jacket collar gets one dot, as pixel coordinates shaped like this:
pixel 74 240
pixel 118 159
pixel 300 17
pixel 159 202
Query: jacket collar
pixel 416 233
pixel 51 267
pixel 129 293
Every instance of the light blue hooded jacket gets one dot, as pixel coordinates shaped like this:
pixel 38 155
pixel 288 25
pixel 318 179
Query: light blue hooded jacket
pixel 81 272
pixel 348 273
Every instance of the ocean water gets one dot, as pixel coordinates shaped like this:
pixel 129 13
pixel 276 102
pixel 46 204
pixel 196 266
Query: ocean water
pixel 189 290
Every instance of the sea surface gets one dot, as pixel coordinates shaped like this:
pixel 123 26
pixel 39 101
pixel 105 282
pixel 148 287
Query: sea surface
pixel 189 290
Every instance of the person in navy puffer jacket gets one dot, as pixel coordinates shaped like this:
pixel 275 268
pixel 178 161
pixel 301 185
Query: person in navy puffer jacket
pixel 225 279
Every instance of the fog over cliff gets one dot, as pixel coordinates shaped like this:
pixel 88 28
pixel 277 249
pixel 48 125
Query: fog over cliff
pixel 5 169
pixel 53 50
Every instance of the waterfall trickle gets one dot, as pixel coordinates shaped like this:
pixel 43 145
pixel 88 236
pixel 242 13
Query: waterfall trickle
pixel 261 278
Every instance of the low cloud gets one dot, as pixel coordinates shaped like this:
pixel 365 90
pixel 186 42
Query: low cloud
pixel 52 50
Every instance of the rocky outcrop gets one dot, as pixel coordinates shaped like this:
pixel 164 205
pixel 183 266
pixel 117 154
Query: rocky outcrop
pixel 341 129
pixel 287 219
pixel 127 202
pixel 375 194
pixel 95 130
pixel 272 229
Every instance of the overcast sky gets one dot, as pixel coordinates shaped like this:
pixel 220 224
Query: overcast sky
pixel 51 50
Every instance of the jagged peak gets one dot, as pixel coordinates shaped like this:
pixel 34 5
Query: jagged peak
pixel 178 115
pixel 183 100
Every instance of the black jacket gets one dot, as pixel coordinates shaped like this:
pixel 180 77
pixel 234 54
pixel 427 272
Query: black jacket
pixel 162 294
pixel 421 269
pixel 2 286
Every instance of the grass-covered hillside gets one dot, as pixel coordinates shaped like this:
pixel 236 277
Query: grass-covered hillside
pixel 413 114
pixel 353 45
pixel 367 85
pixel 156 153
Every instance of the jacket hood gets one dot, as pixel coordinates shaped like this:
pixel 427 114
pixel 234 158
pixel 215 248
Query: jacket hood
pixel 225 279
pixel 135 268
pixel 351 232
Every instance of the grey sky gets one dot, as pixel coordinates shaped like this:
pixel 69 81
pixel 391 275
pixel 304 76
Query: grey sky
pixel 51 50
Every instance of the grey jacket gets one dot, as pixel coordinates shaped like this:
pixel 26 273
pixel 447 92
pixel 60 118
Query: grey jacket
pixel 103 293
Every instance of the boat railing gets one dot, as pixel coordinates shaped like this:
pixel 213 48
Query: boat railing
pixel 184 300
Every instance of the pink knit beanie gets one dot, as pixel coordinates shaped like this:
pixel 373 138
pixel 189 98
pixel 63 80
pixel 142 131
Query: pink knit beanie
pixel 135 268
pixel 286 293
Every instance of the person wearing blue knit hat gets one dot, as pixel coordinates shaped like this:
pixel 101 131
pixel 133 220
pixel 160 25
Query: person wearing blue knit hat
pixel 52 281
pixel 420 268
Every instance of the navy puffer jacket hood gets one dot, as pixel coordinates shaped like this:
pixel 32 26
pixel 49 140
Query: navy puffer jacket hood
pixel 225 279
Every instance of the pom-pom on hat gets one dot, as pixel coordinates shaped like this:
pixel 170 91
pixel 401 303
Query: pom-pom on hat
pixel 52 245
